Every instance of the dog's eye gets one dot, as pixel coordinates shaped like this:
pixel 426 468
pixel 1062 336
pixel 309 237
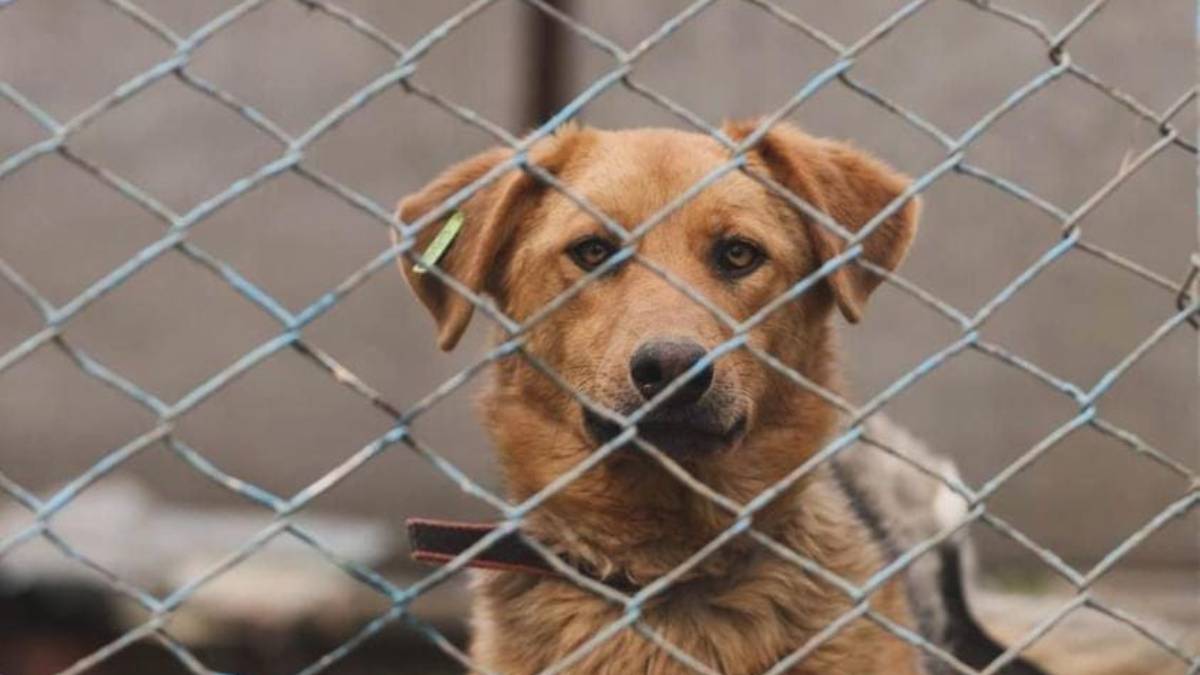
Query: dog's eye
pixel 737 257
pixel 591 252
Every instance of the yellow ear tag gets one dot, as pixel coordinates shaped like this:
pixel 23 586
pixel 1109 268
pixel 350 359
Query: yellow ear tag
pixel 437 248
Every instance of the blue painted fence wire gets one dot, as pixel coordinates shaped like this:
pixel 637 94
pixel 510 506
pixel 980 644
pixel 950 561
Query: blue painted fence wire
pixel 404 74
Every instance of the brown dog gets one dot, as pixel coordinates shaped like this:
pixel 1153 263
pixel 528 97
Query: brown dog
pixel 739 426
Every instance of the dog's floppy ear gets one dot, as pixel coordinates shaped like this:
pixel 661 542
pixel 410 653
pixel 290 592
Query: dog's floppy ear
pixel 851 187
pixel 488 219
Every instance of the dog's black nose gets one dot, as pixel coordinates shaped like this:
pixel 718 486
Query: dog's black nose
pixel 657 364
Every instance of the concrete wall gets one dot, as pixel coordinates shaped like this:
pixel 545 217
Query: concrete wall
pixel 285 422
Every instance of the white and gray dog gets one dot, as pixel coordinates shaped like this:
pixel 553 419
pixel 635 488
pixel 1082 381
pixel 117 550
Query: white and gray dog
pixel 903 507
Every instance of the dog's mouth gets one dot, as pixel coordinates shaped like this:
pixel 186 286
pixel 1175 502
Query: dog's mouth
pixel 681 432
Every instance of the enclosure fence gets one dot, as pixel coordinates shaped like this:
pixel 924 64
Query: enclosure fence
pixel 1178 291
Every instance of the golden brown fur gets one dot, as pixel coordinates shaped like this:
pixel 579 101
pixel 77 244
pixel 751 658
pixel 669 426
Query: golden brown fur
pixel 742 609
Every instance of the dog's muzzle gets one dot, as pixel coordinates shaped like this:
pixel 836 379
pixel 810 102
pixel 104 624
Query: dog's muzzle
pixel 687 418
pixel 683 432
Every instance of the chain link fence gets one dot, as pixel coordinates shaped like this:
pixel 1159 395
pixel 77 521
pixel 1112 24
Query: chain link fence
pixel 1178 291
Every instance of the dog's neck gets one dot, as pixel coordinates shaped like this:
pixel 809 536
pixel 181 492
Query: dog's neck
pixel 756 603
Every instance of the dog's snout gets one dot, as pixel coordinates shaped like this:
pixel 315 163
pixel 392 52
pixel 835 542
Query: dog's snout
pixel 657 364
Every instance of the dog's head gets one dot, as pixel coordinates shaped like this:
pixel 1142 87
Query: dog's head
pixel 630 338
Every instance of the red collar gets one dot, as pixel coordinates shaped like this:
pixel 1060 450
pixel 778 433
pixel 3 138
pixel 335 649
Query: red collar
pixel 436 542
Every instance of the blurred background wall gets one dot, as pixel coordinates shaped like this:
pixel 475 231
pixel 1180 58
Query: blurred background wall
pixel 285 423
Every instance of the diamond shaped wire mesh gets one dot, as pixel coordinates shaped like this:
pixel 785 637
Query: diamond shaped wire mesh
pixel 404 74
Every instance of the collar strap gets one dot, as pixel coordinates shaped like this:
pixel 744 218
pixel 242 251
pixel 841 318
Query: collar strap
pixel 436 542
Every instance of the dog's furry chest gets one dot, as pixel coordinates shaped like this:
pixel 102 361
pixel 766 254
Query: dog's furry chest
pixel 524 624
